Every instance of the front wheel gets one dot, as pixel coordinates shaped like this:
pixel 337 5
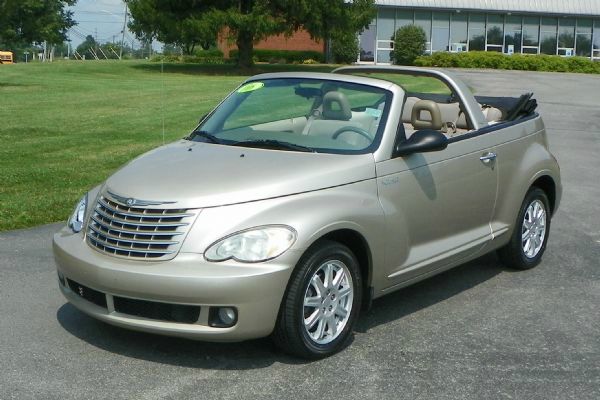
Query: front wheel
pixel 528 242
pixel 321 303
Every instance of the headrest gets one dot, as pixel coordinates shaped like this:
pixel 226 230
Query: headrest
pixel 336 107
pixel 432 108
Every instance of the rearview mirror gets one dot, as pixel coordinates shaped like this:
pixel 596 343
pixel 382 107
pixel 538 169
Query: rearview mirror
pixel 422 141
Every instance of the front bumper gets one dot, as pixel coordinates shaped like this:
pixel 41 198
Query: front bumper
pixel 255 290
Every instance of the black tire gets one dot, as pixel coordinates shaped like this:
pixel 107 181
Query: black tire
pixel 513 254
pixel 290 333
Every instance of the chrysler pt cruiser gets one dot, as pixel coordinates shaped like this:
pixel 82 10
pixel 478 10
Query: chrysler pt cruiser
pixel 304 196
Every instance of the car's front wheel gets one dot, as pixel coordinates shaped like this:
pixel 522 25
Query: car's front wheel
pixel 530 236
pixel 321 302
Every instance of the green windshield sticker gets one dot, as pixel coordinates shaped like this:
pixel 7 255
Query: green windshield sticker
pixel 373 112
pixel 250 87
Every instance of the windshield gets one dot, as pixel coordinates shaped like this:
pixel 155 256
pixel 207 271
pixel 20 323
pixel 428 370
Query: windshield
pixel 299 115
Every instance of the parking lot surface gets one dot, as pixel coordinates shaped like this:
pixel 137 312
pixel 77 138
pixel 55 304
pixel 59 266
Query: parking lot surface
pixel 478 331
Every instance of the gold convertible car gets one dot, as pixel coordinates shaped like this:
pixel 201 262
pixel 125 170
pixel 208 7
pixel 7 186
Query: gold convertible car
pixel 304 196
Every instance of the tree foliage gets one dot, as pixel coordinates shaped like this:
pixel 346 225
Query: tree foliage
pixel 33 21
pixel 409 43
pixel 189 23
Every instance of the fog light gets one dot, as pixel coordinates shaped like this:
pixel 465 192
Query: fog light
pixel 222 317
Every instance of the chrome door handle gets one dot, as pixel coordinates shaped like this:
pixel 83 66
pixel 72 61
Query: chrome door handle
pixel 488 157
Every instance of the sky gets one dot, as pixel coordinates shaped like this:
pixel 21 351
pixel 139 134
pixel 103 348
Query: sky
pixel 103 19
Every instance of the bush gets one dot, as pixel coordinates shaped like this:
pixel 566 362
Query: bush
pixel 344 47
pixel 281 56
pixel 409 43
pixel 523 62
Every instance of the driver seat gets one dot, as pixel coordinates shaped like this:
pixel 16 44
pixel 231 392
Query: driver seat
pixel 336 114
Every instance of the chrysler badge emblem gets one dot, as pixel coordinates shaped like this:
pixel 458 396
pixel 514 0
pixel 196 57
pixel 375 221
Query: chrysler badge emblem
pixel 130 202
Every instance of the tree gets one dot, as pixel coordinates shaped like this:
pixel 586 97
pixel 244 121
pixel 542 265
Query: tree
pixel 184 23
pixel 88 48
pixel 345 47
pixel 409 43
pixel 32 21
pixel 191 22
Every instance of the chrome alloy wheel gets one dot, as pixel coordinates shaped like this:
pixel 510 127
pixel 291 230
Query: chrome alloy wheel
pixel 328 302
pixel 533 230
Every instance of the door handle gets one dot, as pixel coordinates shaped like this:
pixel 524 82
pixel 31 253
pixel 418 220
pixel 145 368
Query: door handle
pixel 488 158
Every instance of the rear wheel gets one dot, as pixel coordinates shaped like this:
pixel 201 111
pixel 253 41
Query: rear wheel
pixel 321 304
pixel 528 242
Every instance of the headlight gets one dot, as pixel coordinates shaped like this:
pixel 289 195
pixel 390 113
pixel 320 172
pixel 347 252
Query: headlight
pixel 76 220
pixel 253 245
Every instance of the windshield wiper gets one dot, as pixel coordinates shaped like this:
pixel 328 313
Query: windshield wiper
pixel 272 143
pixel 211 138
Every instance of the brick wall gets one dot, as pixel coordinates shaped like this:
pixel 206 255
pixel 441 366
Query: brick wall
pixel 298 41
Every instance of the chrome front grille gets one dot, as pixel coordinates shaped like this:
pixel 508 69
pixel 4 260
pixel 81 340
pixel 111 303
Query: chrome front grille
pixel 137 232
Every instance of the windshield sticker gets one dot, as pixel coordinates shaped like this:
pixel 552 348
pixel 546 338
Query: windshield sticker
pixel 251 87
pixel 373 112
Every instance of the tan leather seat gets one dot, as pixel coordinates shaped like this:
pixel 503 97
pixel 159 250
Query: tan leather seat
pixel 435 116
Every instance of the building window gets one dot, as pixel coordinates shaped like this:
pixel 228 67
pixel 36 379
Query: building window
pixel 386 27
pixel 423 19
pixel 548 36
pixel 531 35
pixel 441 31
pixel 596 40
pixel 583 38
pixel 476 32
pixel 367 44
pixel 403 18
pixel 512 34
pixel 458 33
pixel 495 34
pixel 566 36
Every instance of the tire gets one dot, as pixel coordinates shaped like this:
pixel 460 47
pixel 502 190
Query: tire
pixel 309 311
pixel 522 253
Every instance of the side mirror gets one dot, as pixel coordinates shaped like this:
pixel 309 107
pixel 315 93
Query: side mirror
pixel 202 118
pixel 422 141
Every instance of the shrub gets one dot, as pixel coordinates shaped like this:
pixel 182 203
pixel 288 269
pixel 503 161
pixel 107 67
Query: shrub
pixel 523 62
pixel 344 47
pixel 275 56
pixel 409 43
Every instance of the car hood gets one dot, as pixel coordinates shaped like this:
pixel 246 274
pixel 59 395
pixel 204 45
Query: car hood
pixel 198 175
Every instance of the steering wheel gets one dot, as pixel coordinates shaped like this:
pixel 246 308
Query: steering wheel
pixel 353 129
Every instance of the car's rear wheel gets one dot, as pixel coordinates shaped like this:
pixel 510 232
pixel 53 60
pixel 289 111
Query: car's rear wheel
pixel 530 236
pixel 321 303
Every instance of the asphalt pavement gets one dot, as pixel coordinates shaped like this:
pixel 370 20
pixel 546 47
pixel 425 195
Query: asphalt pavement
pixel 480 331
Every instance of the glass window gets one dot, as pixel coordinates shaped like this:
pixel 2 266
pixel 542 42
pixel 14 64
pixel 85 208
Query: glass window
pixel 384 56
pixel 477 32
pixel 367 44
pixel 596 39
pixel 548 35
pixel 386 23
pixel 512 34
pixel 458 39
pixel 404 18
pixel 584 25
pixel 441 31
pixel 531 31
pixel 494 30
pixel 566 33
pixel 276 110
pixel 423 19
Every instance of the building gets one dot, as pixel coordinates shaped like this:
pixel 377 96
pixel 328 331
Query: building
pixel 300 40
pixel 559 27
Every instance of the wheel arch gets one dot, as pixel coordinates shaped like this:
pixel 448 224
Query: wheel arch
pixel 359 246
pixel 547 184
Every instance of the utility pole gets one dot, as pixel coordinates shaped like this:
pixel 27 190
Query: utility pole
pixel 123 36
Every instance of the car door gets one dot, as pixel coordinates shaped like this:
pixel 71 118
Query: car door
pixel 438 206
